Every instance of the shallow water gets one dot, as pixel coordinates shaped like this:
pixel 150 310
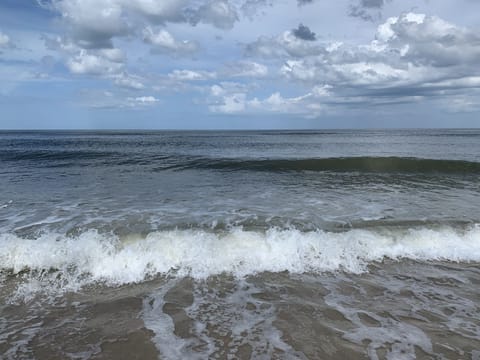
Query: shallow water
pixel 396 310
pixel 308 245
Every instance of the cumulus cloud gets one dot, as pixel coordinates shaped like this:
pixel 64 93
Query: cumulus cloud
pixel 413 56
pixel 94 31
pixel 98 63
pixel 429 40
pixel 410 57
pixel 109 63
pixel 220 13
pixel 284 45
pixel 230 104
pixel 163 42
pixel 93 24
pixel 303 32
pixel 228 99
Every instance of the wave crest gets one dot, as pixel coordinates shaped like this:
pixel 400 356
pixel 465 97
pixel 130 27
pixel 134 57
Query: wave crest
pixel 92 257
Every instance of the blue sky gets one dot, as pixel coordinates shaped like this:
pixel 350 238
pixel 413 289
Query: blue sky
pixel 239 64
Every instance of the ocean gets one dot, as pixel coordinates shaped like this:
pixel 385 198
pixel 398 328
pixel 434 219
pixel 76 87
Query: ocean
pixel 332 244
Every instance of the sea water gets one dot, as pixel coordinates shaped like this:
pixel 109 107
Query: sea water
pixel 255 244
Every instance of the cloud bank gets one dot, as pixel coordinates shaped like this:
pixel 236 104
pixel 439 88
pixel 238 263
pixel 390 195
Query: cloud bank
pixel 252 57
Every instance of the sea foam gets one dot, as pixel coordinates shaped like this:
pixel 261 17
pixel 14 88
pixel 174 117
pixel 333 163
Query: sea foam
pixel 91 257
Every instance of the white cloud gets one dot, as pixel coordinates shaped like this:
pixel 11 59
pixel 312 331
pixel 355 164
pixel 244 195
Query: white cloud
pixel 227 97
pixel 429 40
pixel 277 103
pixel 129 81
pixel 231 100
pixel 141 101
pixel 284 45
pixel 189 75
pixel 245 69
pixel 230 104
pixel 106 63
pixel 93 64
pixel 412 56
pixel 163 42
pixel 114 55
pixel 94 98
pixel 407 58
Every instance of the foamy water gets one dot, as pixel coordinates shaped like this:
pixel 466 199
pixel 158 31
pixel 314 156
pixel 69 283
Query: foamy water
pixel 92 257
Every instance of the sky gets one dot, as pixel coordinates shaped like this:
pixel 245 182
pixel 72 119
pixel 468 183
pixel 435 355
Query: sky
pixel 239 64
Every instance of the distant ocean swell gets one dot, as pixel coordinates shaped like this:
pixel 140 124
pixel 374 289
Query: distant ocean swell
pixel 344 164
pixel 183 162
pixel 68 263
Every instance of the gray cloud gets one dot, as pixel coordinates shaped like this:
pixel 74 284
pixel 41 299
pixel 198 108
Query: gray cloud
pixel 372 3
pixel 303 32
pixel 93 24
pixel 304 2
pixel 286 45
pixel 413 57
pixel 368 10
pixel 252 7
pixel 219 13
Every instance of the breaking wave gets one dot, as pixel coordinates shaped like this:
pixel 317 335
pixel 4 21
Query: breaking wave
pixel 73 262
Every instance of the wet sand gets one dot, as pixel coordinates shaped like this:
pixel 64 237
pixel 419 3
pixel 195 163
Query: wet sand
pixel 398 310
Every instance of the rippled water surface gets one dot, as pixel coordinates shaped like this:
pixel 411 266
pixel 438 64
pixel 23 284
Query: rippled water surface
pixel 250 245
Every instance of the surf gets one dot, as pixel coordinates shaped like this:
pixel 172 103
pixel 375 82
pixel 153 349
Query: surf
pixel 70 262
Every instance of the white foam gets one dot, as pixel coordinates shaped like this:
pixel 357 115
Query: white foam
pixel 215 317
pixel 6 204
pixel 169 345
pixel 92 257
